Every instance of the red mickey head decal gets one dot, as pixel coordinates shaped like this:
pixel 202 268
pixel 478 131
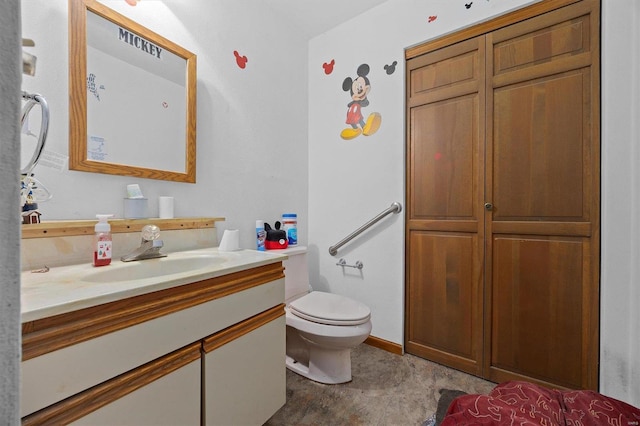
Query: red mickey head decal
pixel 240 60
pixel 328 67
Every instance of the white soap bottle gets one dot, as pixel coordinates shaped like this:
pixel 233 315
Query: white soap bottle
pixel 102 242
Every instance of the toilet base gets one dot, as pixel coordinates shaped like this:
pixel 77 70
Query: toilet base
pixel 325 366
pixel 322 352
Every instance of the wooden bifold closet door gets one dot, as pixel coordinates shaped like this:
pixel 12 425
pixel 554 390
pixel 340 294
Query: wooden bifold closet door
pixel 502 230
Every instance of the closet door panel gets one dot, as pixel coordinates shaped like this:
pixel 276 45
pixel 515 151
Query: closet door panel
pixel 527 50
pixel 445 217
pixel 541 157
pixel 443 312
pixel 538 311
pixel 448 73
pixel 444 159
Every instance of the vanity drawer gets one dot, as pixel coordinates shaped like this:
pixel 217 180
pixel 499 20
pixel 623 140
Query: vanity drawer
pixel 165 391
pixel 132 332
pixel 173 399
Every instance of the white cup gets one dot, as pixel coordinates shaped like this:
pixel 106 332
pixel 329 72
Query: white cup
pixel 135 208
pixel 165 207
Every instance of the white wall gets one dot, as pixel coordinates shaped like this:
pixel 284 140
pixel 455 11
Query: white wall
pixel 351 181
pixel 252 122
pixel 10 70
pixel 620 276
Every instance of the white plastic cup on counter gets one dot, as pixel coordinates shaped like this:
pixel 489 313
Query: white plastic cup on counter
pixel 165 207
pixel 135 208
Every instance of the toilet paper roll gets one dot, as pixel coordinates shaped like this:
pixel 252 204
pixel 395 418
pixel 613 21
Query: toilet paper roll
pixel 165 207
pixel 230 240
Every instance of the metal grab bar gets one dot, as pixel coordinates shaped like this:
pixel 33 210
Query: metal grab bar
pixel 394 208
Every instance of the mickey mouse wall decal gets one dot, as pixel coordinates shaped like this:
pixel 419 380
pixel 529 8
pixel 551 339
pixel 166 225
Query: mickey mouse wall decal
pixel 240 60
pixel 391 68
pixel 328 67
pixel 359 89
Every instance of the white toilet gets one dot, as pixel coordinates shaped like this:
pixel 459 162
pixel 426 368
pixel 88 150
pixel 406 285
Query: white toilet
pixel 322 328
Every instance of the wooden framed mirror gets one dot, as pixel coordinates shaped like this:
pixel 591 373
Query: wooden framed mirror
pixel 132 98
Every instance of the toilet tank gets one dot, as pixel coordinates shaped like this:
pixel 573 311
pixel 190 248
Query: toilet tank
pixel 296 273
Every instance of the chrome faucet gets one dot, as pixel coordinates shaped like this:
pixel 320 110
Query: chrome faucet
pixel 149 246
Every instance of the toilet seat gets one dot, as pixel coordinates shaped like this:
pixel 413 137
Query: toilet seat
pixel 330 309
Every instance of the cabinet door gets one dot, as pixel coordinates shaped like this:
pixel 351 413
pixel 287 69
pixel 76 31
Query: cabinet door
pixel 444 297
pixel 244 371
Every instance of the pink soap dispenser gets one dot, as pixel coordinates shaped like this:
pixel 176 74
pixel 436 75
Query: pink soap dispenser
pixel 102 243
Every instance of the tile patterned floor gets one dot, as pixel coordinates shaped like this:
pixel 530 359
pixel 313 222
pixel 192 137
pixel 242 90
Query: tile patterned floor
pixel 386 389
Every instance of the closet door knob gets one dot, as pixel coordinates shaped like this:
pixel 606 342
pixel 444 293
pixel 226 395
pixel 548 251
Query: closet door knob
pixel 488 206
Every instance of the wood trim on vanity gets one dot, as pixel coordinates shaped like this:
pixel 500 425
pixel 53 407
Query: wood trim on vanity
pixel 53 333
pixel 68 228
pixel 235 331
pixel 92 399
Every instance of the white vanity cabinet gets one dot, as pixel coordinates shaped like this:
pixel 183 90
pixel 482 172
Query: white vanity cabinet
pixel 210 351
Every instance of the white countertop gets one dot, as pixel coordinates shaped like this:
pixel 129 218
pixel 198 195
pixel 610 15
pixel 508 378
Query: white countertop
pixel 67 288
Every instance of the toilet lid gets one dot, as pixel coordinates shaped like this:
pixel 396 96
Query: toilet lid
pixel 329 308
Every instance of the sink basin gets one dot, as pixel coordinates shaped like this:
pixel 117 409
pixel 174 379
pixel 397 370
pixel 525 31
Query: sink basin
pixel 152 268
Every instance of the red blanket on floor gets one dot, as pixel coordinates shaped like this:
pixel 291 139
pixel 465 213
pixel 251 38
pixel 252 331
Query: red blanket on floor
pixel 522 403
